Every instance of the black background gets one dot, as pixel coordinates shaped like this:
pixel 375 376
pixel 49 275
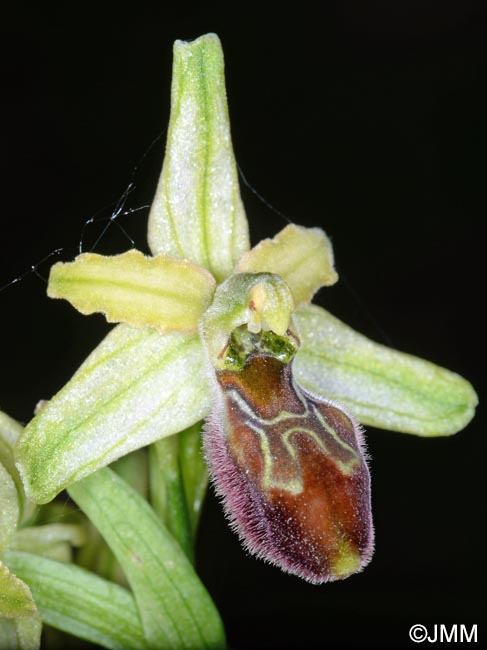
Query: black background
pixel 368 119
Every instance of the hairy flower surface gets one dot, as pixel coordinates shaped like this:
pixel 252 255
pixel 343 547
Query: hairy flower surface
pixel 211 329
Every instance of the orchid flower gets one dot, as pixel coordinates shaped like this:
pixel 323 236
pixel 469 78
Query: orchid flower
pixel 212 330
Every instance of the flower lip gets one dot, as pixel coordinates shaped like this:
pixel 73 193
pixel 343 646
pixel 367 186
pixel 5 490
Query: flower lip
pixel 290 469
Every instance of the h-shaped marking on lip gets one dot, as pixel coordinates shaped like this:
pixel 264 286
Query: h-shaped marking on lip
pixel 290 463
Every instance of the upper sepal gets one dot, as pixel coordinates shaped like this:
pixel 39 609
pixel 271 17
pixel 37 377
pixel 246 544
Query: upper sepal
pixel 197 211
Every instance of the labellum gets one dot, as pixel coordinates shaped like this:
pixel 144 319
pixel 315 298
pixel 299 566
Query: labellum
pixel 289 465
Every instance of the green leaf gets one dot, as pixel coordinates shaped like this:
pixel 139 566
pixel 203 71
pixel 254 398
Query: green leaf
pixel 166 294
pixel 197 211
pixel 167 491
pixel 194 470
pixel 136 387
pixel 9 508
pixel 23 633
pixel 303 257
pixel 80 603
pixel 175 608
pixel 381 386
pixel 15 596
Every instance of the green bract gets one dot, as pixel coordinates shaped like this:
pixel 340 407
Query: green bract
pixel 153 377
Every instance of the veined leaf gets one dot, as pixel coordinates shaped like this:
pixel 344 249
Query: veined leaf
pixel 197 212
pixel 383 387
pixel 303 257
pixel 79 602
pixel 160 292
pixel 175 608
pixel 136 387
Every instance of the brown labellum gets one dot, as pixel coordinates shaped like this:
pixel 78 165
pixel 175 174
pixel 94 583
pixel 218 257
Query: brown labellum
pixel 290 469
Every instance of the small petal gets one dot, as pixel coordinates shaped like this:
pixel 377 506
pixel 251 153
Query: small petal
pixel 197 212
pixel 136 387
pixel 303 257
pixel 290 469
pixel 381 386
pixel 160 292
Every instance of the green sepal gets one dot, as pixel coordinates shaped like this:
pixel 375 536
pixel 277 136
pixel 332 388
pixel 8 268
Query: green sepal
pixel 382 387
pixel 197 213
pixel 160 292
pixel 175 608
pixel 81 603
pixel 136 387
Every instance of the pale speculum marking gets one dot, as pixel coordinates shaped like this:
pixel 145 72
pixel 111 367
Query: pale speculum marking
pixel 280 438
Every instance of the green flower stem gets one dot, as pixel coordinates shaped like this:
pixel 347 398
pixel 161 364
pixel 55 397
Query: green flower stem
pixel 195 472
pixel 177 612
pixel 81 603
pixel 168 493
